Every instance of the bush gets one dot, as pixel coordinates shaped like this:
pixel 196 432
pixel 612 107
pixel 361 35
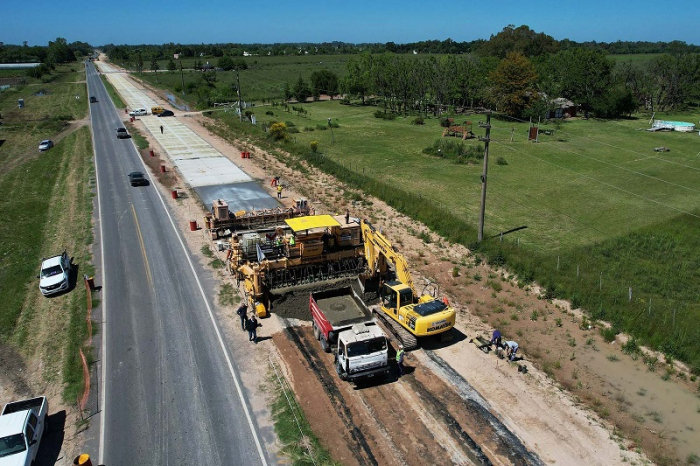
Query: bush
pixel 270 112
pixel 418 121
pixel 455 150
pixel 290 124
pixel 608 334
pixel 314 146
pixel 445 122
pixel 308 128
pixel 293 130
pixel 321 127
pixel 384 116
pixel 501 161
pixel 278 131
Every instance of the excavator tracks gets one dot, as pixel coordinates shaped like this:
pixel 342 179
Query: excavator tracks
pixel 390 326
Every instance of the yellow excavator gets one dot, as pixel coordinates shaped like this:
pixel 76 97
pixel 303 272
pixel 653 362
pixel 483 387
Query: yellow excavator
pixel 408 315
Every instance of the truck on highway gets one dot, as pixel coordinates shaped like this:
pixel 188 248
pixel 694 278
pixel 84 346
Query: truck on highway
pixel 22 423
pixel 343 324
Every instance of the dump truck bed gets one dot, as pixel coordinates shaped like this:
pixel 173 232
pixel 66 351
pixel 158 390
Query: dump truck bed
pixel 342 307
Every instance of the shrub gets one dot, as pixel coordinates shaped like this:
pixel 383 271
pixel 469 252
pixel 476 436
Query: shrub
pixel 608 334
pixel 321 127
pixel 314 146
pixel 501 161
pixel 308 128
pixel 270 112
pixel 445 122
pixel 293 130
pixel 418 121
pixel 384 116
pixel 290 124
pixel 455 150
pixel 278 131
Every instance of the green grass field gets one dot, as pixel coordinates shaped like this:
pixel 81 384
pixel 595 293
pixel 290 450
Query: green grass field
pixel 604 212
pixel 46 206
pixel 263 80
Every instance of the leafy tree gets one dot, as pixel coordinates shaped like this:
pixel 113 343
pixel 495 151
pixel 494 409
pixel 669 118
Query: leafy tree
pixel 522 40
pixel 616 103
pixel 171 65
pixel 584 75
pixel 301 90
pixel 513 84
pixel 59 52
pixel 154 63
pixel 287 92
pixel 324 82
pixel 357 80
pixel 225 62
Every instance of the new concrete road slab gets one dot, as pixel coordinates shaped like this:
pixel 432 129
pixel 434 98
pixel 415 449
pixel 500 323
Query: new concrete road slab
pixel 211 174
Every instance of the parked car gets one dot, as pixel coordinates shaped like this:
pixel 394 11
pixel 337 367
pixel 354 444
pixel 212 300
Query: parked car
pixel 138 112
pixel 22 425
pixel 122 133
pixel 93 99
pixel 166 113
pixel 157 110
pixel 138 179
pixel 54 276
pixel 46 144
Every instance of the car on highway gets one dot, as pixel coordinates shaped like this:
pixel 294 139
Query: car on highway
pixel 166 113
pixel 93 99
pixel 138 112
pixel 122 133
pixel 138 179
pixel 46 144
pixel 54 275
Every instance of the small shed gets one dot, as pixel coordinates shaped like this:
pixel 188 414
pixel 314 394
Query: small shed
pixel 562 108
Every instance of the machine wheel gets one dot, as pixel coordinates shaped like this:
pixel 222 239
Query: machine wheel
pixel 324 344
pixel 317 331
pixel 343 376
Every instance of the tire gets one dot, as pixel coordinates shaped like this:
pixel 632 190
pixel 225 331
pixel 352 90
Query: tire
pixel 47 423
pixel 317 332
pixel 324 344
pixel 343 376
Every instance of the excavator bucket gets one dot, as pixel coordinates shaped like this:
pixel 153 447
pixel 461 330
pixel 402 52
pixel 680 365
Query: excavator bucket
pixel 368 284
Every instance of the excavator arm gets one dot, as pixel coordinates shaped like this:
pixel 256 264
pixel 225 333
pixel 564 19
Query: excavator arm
pixel 379 252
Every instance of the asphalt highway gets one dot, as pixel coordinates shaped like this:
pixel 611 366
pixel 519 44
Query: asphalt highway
pixel 170 392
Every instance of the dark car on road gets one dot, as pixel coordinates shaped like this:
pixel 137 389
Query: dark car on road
pixel 138 179
pixel 46 144
pixel 166 113
pixel 122 133
pixel 93 99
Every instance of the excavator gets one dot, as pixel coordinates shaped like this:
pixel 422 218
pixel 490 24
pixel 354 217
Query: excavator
pixel 408 315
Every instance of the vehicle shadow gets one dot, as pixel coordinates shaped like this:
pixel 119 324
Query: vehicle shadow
pixel 439 341
pixel 52 441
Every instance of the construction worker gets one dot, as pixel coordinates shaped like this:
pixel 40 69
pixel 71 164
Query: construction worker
pixel 252 327
pixel 279 191
pixel 243 314
pixel 511 349
pixel 399 359
pixel 275 181
pixel 496 339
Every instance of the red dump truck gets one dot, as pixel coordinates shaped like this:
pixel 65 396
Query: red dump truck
pixel 343 324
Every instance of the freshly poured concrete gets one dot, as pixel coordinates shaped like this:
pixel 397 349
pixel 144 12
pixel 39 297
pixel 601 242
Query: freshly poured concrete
pixel 208 171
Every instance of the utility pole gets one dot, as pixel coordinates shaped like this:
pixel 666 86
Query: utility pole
pixel 486 140
pixel 240 106
pixel 182 76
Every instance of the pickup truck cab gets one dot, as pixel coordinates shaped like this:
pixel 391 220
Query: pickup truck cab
pixel 22 424
pixel 54 276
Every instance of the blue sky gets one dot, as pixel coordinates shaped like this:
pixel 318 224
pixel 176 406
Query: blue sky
pixel 268 21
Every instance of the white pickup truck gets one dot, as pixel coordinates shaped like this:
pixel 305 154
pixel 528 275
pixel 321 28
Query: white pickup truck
pixel 22 424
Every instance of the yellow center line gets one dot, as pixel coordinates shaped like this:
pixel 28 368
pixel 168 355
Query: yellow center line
pixel 143 247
